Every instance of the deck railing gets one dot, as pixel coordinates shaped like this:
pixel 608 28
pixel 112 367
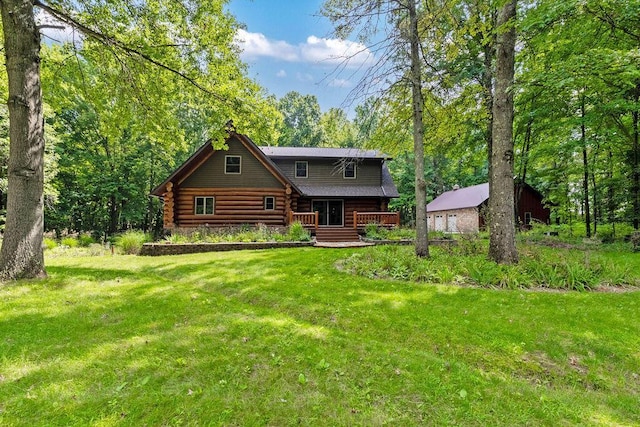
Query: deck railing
pixel 307 219
pixel 387 219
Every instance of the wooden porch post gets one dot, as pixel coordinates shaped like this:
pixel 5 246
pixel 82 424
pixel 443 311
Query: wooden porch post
pixel 316 220
pixel 355 220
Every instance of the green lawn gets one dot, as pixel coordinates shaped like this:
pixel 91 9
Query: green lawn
pixel 281 337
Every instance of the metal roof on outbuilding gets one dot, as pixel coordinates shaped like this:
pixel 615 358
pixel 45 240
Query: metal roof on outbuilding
pixel 468 197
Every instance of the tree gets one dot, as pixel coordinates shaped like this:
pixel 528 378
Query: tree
pixel 502 248
pixel 395 22
pixel 21 254
pixel 191 41
pixel 301 125
pixel 422 242
pixel 577 101
pixel 337 129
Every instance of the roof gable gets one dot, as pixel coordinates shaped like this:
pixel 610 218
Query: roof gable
pixel 205 152
pixel 468 197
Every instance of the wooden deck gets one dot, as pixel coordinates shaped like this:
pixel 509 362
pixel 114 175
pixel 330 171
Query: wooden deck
pixel 360 219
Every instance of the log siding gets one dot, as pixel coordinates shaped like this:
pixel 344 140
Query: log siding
pixel 232 206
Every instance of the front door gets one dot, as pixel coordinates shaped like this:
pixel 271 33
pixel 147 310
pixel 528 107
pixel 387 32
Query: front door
pixel 330 212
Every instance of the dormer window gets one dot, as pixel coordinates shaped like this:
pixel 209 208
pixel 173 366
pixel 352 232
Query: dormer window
pixel 232 164
pixel 349 171
pixel 302 169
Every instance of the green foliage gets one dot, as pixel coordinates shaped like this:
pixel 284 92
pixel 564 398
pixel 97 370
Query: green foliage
pixel 297 233
pixel 378 232
pixel 131 242
pixel 466 263
pixel 49 243
pixel 85 240
pixel 301 126
pixel 246 233
pixel 70 242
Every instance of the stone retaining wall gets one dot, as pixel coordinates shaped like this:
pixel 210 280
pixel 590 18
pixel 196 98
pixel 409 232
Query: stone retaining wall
pixel 158 249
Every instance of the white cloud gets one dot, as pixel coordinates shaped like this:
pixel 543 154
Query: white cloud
pixel 256 44
pixel 314 50
pixel 340 83
pixel 281 74
pixel 305 77
pixel 336 51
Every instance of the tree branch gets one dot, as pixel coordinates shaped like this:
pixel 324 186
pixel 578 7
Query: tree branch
pixel 112 41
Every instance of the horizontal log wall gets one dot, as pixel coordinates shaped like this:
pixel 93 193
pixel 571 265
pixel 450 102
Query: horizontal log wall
pixel 232 206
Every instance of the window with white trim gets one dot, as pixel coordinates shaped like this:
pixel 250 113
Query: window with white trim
pixel 232 164
pixel 269 203
pixel 204 205
pixel 302 169
pixel 527 218
pixel 349 171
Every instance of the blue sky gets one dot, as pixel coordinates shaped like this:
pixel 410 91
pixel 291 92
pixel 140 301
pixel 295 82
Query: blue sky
pixel 289 47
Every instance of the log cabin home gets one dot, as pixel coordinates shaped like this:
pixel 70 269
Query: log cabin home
pixel 245 184
pixel 462 210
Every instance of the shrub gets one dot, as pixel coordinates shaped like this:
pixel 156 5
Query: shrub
pixel 297 233
pixel 70 242
pixel 49 243
pixel 176 238
pixel 85 240
pixel 372 231
pixel 131 242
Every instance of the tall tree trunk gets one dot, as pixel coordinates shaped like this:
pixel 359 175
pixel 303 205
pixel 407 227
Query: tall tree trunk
pixel 635 183
pixel 22 255
pixel 502 244
pixel 113 215
pixel 585 167
pixel 422 239
pixel 487 96
pixel 596 209
pixel 611 204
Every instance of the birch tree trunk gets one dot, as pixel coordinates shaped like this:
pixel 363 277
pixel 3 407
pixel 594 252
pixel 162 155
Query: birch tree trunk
pixel 422 240
pixel 502 245
pixel 21 255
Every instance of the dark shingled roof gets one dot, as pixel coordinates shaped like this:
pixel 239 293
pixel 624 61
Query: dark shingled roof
pixel 468 197
pixel 322 152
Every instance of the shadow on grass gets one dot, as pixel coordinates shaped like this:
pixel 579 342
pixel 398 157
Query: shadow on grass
pixel 167 338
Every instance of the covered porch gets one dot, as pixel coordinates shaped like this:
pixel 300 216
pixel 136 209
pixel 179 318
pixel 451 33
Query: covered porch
pixel 360 220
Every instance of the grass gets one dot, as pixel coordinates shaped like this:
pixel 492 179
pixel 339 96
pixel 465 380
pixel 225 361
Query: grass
pixel 282 337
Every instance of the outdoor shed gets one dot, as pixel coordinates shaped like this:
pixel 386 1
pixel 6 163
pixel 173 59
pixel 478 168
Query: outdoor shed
pixel 462 210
